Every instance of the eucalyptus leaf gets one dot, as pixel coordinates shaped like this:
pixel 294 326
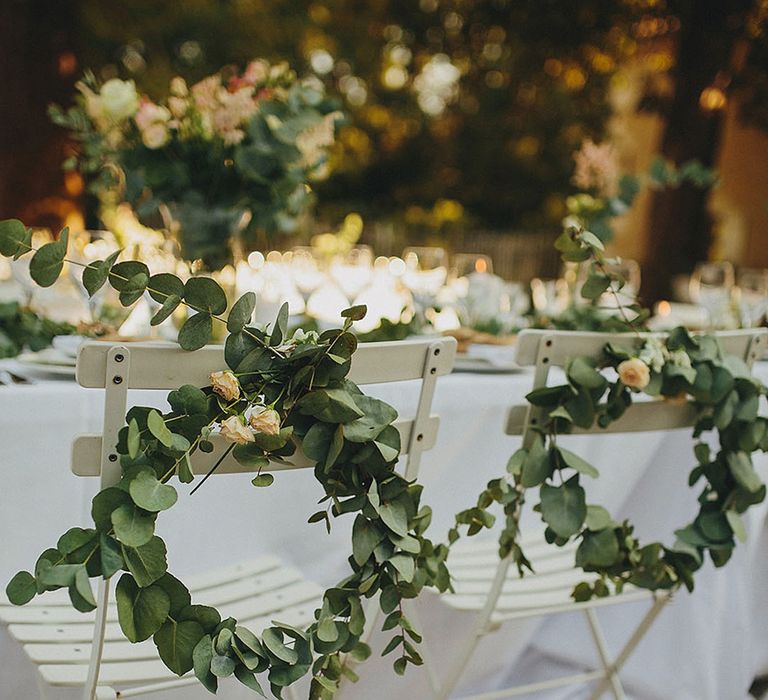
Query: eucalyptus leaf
pixel 140 611
pixel 563 507
pixel 196 332
pixel 48 261
pixel 206 295
pixel 241 312
pixel 96 273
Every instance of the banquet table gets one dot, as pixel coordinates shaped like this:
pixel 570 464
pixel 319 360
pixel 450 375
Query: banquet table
pixel 707 645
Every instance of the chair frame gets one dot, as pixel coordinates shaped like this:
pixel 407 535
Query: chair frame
pixel 116 368
pixel 543 350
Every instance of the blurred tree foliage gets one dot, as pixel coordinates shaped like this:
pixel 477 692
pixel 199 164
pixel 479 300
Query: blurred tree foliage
pixel 481 101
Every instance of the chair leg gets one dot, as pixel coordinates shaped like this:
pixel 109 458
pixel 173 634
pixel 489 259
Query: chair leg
pixel 634 640
pixel 479 630
pixel 602 650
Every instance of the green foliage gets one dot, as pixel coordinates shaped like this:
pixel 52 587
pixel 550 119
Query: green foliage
pixel 296 393
pixel 21 328
pixel 726 398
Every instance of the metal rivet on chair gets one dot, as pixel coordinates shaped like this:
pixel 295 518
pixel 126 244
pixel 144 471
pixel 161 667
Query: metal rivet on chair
pixel 119 358
pixel 419 437
pixel 112 457
pixel 433 370
pixel 117 380
pixel 437 351
pixel 545 360
pixel 548 343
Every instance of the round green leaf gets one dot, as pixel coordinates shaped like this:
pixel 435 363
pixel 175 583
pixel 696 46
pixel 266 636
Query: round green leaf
pixel 263 480
pixel 165 285
pixel 151 494
pixel 120 275
pixel 241 313
pixel 48 261
pixel 96 273
pixel 196 332
pixel 205 294
pixel 14 238
pixel 132 527
pixel 21 588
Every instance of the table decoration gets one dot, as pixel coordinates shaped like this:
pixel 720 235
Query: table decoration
pixel 231 151
pixel 606 192
pixel 678 368
pixel 276 394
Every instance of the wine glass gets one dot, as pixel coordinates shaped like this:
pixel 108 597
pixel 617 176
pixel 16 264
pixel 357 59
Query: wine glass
pixel 711 286
pixel 353 270
pixel 306 272
pixel 752 285
pixel 425 274
pixel 550 297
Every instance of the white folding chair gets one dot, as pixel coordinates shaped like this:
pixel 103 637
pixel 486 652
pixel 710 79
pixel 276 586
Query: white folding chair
pixel 495 591
pixel 74 649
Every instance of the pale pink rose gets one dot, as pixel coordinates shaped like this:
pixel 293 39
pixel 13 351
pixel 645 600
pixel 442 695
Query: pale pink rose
pixel 233 430
pixel 225 384
pixel 597 168
pixel 266 421
pixel 155 135
pixel 150 113
pixel 256 72
pixel 634 373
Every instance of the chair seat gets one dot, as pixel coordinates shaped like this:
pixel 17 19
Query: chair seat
pixel 473 565
pixel 58 638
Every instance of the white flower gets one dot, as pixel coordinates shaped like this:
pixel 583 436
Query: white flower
pixel 634 373
pixel 178 106
pixel 156 135
pixel 313 142
pixel 234 430
pixel 225 384
pixel 93 105
pixel 178 87
pixel 265 421
pixel 119 99
pixel 302 337
pixel 654 354
pixel 680 358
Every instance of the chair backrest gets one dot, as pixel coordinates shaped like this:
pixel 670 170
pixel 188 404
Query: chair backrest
pixel 119 367
pixel 543 350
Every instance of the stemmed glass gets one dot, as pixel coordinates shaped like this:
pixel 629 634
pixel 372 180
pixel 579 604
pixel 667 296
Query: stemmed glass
pixel 752 285
pixel 711 286
pixel 306 273
pixel 426 269
pixel 353 271
pixel 550 297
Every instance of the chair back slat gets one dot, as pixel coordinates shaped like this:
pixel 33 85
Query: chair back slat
pixel 166 366
pixel 163 366
pixel 86 451
pixel 566 345
pixel 545 349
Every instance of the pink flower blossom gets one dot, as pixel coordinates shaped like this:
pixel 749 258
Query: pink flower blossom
pixel 597 168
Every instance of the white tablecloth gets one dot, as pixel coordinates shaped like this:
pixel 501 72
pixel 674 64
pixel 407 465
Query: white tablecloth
pixel 706 646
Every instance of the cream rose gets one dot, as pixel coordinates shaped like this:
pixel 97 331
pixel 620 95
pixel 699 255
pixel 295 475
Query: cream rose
pixel 233 430
pixel 225 384
pixel 150 113
pixel 178 87
pixel 119 99
pixel 266 421
pixel 634 373
pixel 155 135
pixel 93 105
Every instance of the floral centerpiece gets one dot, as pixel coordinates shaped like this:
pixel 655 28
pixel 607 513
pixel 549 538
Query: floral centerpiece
pixel 232 150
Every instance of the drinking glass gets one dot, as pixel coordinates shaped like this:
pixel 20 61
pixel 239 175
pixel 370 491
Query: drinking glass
pixel 752 285
pixel 711 286
pixel 550 297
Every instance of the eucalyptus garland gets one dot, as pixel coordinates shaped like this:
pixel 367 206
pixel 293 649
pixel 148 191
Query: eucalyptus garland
pixel 276 394
pixel 682 368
